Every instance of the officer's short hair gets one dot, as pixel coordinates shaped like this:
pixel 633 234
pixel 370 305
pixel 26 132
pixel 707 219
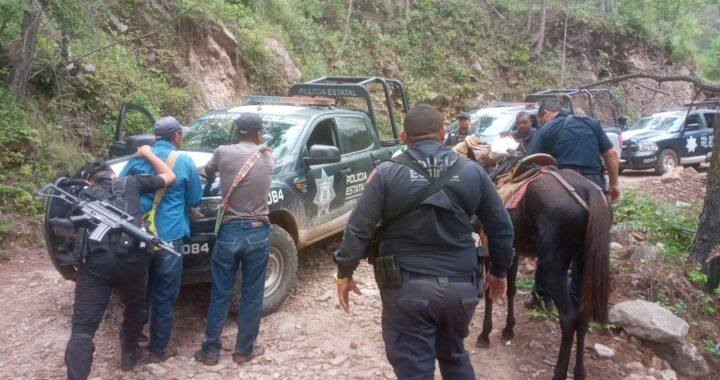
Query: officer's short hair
pixel 423 119
pixel 549 106
pixel 522 114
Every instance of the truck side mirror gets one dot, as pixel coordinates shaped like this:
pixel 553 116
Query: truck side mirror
pixel 130 145
pixel 322 154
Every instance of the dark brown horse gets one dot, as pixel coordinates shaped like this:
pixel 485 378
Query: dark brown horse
pixel 553 226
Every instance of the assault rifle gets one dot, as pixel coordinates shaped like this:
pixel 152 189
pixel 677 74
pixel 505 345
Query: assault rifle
pixel 101 217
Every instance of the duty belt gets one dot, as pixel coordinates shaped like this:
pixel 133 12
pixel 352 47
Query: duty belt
pixel 407 276
pixel 582 170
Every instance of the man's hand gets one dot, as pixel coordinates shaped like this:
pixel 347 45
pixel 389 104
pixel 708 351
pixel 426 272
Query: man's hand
pixel 496 287
pixel 202 173
pixel 344 293
pixel 614 193
pixel 143 151
pixel 265 150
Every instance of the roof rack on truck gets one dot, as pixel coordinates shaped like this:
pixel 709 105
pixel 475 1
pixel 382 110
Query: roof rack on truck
pixel 337 87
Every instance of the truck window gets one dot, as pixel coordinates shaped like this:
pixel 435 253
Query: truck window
pixel 692 123
pixel 354 134
pixel 324 134
pixel 710 119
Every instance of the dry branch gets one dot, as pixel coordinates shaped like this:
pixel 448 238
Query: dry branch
pixel 700 84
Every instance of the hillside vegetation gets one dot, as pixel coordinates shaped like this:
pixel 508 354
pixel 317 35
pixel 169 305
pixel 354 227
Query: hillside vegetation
pixel 93 55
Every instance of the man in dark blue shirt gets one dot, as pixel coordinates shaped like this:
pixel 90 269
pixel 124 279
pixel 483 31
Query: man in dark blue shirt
pixel 427 316
pixel 578 143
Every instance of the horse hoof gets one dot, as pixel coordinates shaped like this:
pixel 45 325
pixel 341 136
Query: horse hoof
pixel 482 342
pixel 508 335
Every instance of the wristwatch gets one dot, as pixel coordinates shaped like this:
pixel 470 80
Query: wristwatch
pixel 341 281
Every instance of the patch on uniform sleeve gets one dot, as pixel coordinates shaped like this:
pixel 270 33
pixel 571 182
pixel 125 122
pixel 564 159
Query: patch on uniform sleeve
pixel 372 175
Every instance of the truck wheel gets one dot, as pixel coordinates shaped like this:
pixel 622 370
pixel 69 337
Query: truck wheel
pixel 667 161
pixel 280 275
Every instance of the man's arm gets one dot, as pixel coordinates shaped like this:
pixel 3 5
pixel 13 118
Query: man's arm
pixel 161 168
pixel 211 168
pixel 613 167
pixel 193 192
pixel 499 230
pixel 361 226
pixel 536 143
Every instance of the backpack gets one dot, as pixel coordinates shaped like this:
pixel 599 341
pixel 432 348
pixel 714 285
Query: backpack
pixel 120 242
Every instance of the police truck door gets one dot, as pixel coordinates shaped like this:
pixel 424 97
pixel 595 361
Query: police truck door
pixel 323 199
pixel 357 162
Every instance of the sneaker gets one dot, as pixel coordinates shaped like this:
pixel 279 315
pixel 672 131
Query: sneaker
pixel 154 358
pixel 204 359
pixel 244 358
pixel 131 358
pixel 532 301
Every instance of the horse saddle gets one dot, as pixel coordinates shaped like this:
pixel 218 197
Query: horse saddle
pixel 532 161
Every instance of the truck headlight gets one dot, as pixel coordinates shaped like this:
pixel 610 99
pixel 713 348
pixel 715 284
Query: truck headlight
pixel 647 147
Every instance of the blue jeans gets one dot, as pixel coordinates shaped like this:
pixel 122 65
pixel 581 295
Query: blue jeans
pixel 164 286
pixel 242 245
pixel 573 287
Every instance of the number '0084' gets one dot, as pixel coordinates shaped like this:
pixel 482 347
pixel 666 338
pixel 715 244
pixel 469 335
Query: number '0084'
pixel 275 196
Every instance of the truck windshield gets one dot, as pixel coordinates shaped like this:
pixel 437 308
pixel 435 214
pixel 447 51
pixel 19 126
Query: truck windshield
pixel 658 122
pixel 207 133
pixel 487 122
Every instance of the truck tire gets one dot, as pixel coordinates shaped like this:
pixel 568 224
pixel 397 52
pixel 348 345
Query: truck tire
pixel 667 161
pixel 280 275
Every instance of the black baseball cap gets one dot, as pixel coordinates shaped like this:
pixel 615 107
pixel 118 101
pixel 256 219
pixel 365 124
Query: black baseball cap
pixel 167 127
pixel 93 167
pixel 249 123
pixel 464 115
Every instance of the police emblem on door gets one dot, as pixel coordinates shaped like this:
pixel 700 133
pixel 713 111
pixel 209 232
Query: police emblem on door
pixel 325 193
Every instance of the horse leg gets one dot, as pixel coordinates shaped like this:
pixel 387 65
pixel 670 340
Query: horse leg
pixel 554 275
pixel 483 340
pixel 579 373
pixel 508 333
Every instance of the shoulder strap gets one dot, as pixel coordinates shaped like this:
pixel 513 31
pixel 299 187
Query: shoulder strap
pixel 435 184
pixel 160 193
pixel 244 170
pixel 411 163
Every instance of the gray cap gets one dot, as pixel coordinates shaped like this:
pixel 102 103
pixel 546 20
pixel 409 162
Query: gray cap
pixel 249 123
pixel 167 127
pixel 464 115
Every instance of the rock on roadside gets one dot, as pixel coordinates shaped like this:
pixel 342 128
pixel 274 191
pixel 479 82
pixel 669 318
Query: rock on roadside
pixel 648 321
pixel 602 351
pixel 684 358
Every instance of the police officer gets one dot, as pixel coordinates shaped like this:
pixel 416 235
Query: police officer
pixel 109 265
pixel 427 313
pixel 458 136
pixel 577 143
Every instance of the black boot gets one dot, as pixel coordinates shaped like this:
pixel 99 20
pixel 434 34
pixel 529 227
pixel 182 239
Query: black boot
pixel 131 357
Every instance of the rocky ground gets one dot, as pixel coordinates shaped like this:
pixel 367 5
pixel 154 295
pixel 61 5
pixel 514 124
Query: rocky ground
pixel 309 337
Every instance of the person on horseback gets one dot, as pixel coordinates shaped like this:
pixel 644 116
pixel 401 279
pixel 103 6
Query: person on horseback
pixel 580 144
pixel 455 137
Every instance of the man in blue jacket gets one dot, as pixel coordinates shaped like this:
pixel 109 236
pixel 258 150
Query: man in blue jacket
pixel 172 224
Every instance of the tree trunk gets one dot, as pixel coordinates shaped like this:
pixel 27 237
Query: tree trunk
pixel 529 16
pixel 541 30
pixel 706 248
pixel 407 8
pixel 562 67
pixel 347 22
pixel 25 51
pixel 603 7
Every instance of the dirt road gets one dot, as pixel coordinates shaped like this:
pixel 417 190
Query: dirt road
pixel 309 337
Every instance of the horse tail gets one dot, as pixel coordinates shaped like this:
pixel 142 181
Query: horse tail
pixel 596 276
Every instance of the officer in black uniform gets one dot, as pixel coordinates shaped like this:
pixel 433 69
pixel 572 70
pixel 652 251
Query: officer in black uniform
pixel 458 136
pixel 578 143
pixel 426 315
pixel 112 264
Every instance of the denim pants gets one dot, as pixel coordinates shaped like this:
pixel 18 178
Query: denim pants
pixel 573 287
pixel 427 320
pixel 164 286
pixel 239 245
pixel 96 278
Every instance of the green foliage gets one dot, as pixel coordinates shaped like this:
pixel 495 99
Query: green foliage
pixel 524 283
pixel 673 226
pixel 695 275
pixel 608 327
pixel 547 314
pixel 712 346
